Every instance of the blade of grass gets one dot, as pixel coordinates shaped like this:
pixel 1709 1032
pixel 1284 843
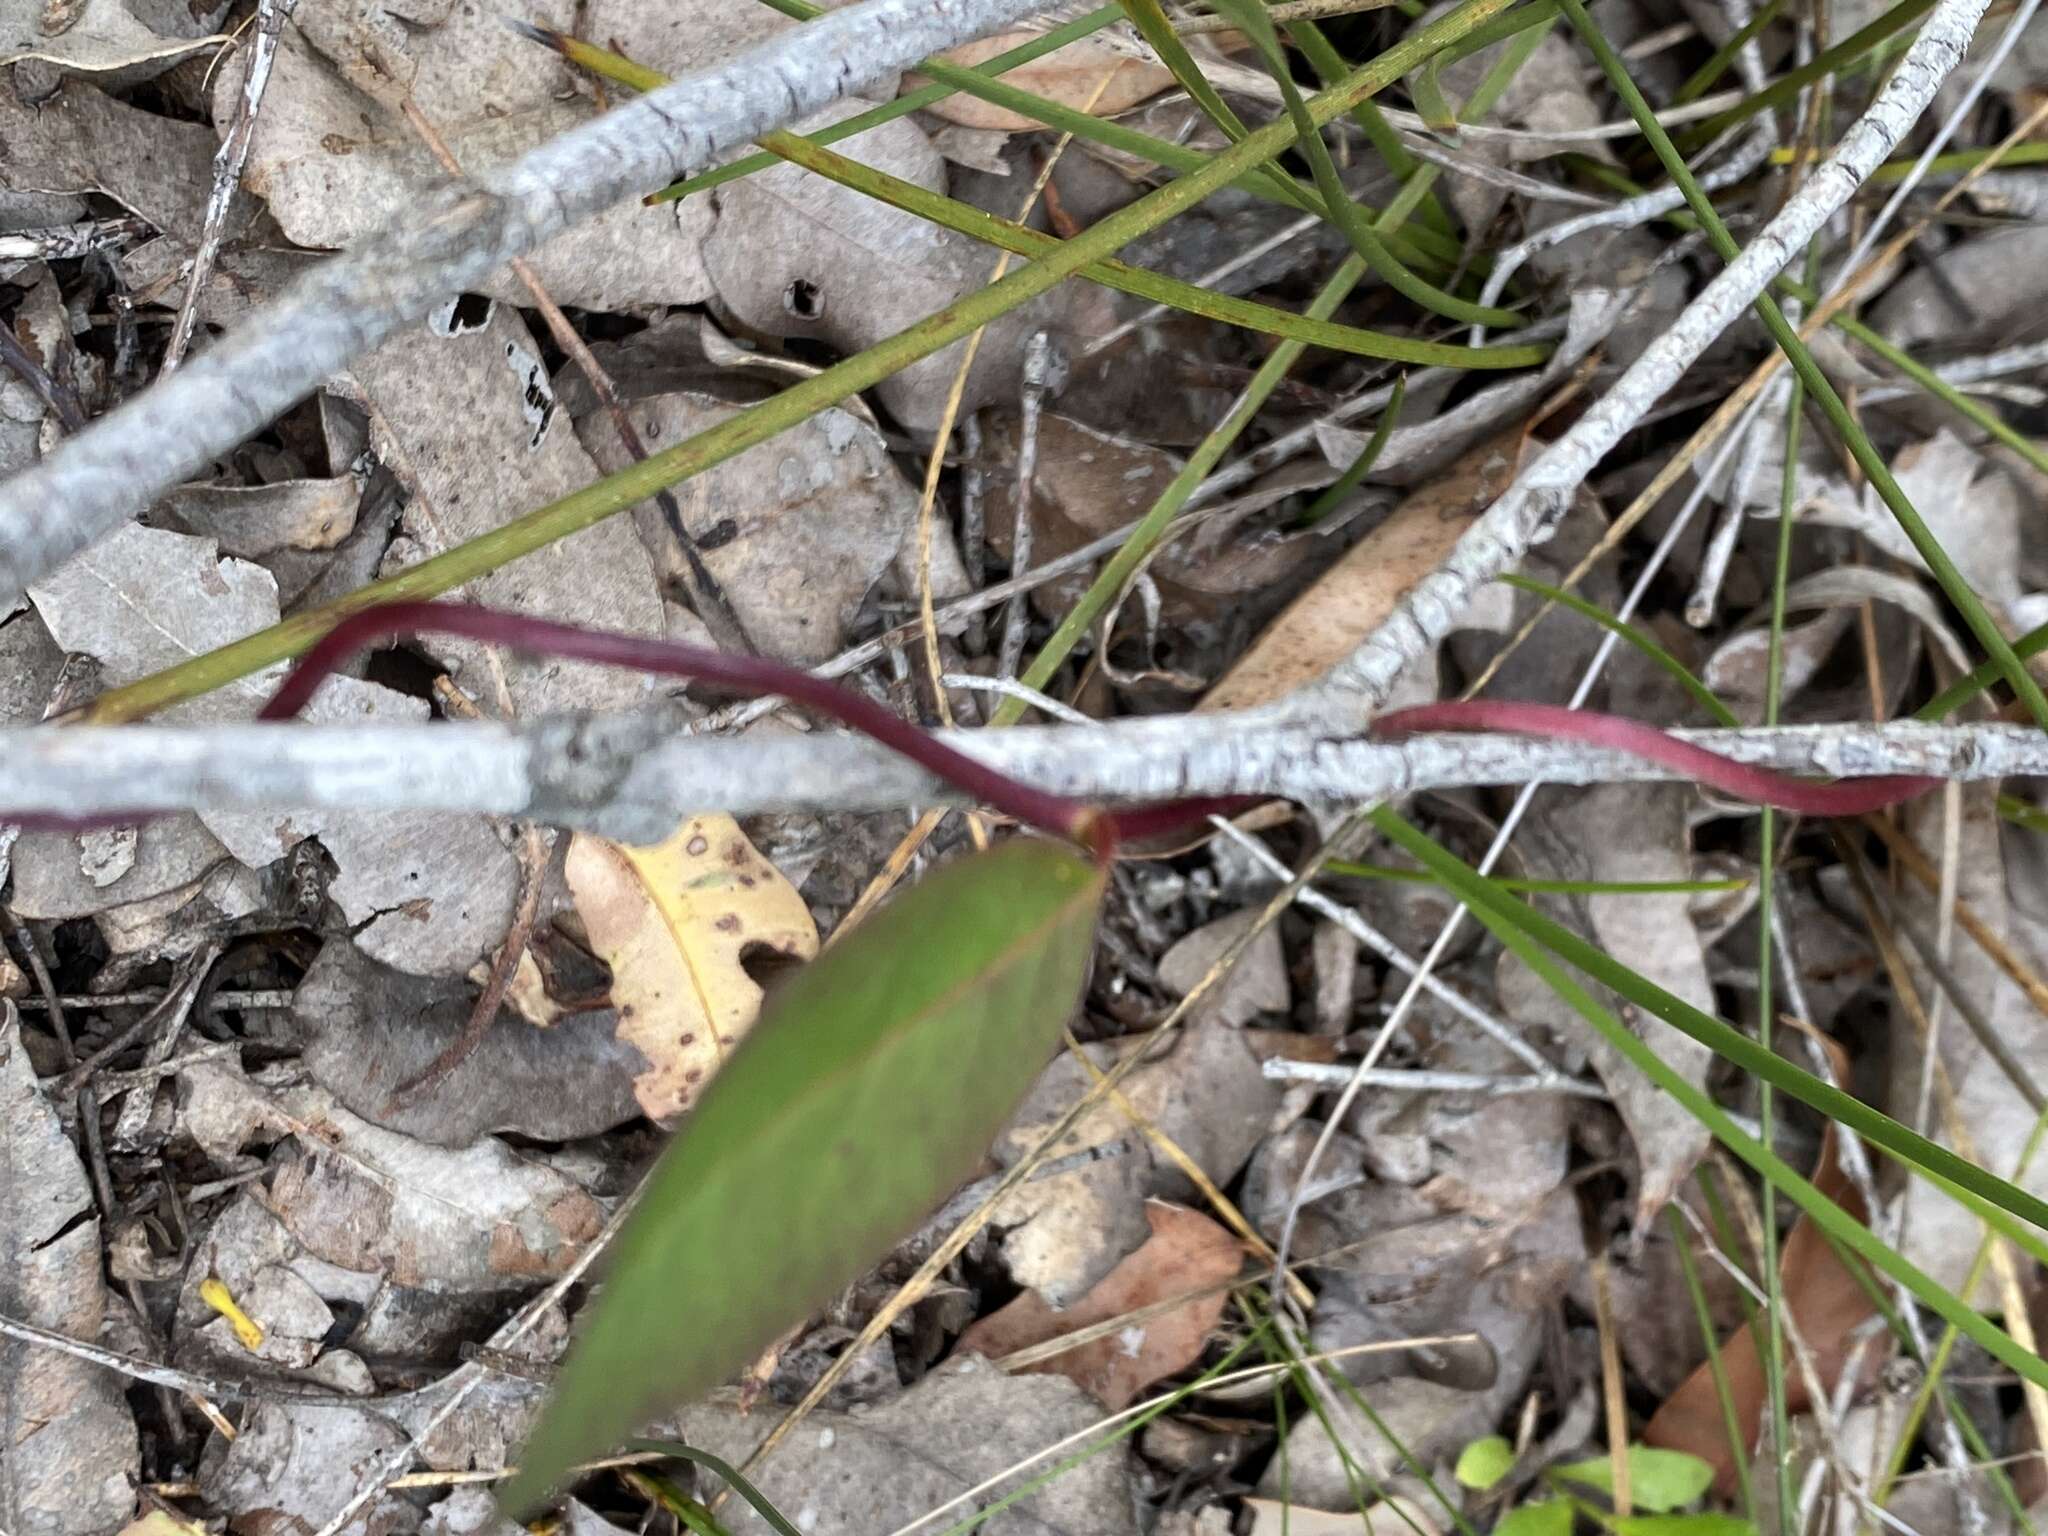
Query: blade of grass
pixel 1354 475
pixel 1996 1199
pixel 1677 670
pixel 1426 247
pixel 1738 1453
pixel 1814 380
pixel 1837 59
pixel 1020 239
pixel 1520 887
pixel 1701 80
pixel 1357 226
pixel 1129 560
pixel 759 423
pixel 1518 928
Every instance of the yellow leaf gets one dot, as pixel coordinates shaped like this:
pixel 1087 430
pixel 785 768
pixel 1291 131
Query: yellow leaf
pixel 161 1523
pixel 248 1332
pixel 673 922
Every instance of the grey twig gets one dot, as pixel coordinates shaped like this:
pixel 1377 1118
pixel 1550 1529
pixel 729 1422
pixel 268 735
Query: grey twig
pixel 448 240
pixel 271 15
pixel 1528 511
pixel 635 776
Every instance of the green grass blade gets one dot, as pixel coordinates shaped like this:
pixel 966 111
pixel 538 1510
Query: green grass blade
pixel 1677 670
pixel 1129 560
pixel 1815 381
pixel 1354 475
pixel 1522 931
pixel 1842 56
pixel 1980 677
pixel 1701 80
pixel 726 1473
pixel 1007 235
pixel 1738 1453
pixel 1996 1200
pixel 1358 228
pixel 872 1084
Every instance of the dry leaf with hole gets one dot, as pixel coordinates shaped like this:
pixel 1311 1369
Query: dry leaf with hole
pixel 1186 1254
pixel 677 922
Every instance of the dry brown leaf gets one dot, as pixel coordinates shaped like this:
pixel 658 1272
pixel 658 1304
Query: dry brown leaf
pixel 1397 1514
pixel 1186 1252
pixel 1351 599
pixel 1071 76
pixel 675 923
pixel 1828 1304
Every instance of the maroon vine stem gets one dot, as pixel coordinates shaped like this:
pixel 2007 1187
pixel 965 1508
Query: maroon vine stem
pixel 1761 786
pixel 1094 828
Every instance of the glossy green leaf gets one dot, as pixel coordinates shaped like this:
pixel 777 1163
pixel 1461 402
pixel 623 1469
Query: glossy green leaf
pixel 1551 1517
pixel 1658 1480
pixel 874 1081
pixel 1485 1462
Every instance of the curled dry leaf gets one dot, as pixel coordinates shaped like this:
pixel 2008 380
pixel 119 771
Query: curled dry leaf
pixel 82 140
pixel 677 922
pixel 1186 1254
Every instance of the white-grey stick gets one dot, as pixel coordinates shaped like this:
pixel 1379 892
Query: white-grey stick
pixel 447 240
pixel 1528 511
pixel 636 776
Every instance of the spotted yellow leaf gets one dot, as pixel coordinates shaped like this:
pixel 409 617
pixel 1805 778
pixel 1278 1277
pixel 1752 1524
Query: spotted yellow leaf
pixel 675 922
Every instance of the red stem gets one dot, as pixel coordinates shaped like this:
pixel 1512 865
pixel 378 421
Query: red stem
pixel 1097 830
pixel 1554 722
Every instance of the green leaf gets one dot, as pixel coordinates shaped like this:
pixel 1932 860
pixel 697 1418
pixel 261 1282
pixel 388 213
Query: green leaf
pixel 1485 1462
pixel 1551 1517
pixel 1681 1525
pixel 871 1085
pixel 1658 1480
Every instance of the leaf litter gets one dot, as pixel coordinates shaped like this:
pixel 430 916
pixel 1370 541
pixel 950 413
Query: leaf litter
pixel 277 1162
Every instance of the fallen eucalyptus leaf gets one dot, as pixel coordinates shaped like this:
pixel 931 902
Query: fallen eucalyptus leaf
pixel 1186 1252
pixel 875 1079
pixel 675 922
pixel 100 36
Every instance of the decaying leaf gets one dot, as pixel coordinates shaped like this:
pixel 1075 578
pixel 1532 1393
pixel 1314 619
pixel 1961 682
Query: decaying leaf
pixel 795 255
pixel 102 36
pixel 1066 1232
pixel 799 1164
pixel 333 163
pixel 1187 1253
pixel 1073 76
pixel 82 140
pixel 1347 602
pixel 892 1463
pixel 370 1029
pixel 1626 832
pixel 1828 1304
pixel 1089 483
pixel 796 531
pixel 68 1448
pixel 676 923
pixel 476 1220
pixel 250 521
pixel 467 418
